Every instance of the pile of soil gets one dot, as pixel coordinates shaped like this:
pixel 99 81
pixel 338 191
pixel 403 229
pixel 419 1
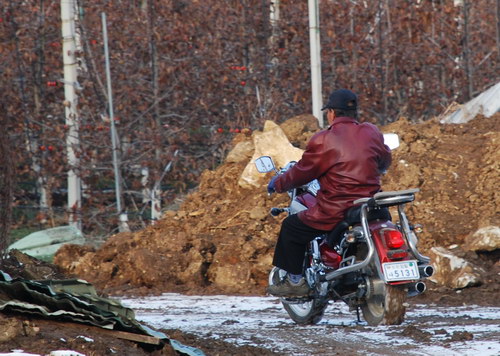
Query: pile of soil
pixel 222 238
pixel 456 168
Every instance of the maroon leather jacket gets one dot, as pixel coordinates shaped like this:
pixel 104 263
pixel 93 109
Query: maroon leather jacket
pixel 347 159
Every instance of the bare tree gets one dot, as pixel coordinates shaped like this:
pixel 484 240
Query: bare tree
pixel 6 182
pixel 467 51
pixel 155 193
pixel 498 31
pixel 382 60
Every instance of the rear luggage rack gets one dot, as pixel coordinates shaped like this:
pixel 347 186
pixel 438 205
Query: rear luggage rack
pixel 389 198
pixel 381 199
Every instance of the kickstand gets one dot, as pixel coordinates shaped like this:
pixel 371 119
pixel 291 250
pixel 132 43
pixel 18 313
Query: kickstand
pixel 357 314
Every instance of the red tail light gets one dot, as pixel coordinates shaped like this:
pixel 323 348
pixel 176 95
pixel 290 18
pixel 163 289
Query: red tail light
pixel 393 238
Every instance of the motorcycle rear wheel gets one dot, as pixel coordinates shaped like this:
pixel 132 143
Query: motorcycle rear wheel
pixel 387 308
pixel 309 312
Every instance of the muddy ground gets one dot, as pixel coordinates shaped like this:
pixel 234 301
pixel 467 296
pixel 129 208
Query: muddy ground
pixel 220 239
pixel 261 320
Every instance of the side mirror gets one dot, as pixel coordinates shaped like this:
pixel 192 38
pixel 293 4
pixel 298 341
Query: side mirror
pixel 391 140
pixel 264 164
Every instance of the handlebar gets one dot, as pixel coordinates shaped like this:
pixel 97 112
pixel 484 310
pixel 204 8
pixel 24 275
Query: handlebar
pixel 277 211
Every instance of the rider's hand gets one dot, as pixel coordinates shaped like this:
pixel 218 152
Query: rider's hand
pixel 270 187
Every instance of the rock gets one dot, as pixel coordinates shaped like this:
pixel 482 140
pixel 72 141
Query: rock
pixel 231 276
pixel 10 328
pixel 259 213
pixel 71 255
pixel 461 336
pixel 169 214
pixel 142 262
pixel 299 129
pixel 271 142
pixel 417 334
pixel 484 239
pixel 242 152
pixel 453 271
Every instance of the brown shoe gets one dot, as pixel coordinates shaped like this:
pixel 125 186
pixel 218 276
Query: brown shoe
pixel 285 288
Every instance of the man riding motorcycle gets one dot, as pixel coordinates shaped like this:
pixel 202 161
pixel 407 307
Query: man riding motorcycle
pixel 348 159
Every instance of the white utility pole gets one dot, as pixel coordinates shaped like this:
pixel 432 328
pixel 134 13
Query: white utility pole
pixel 123 226
pixel 70 107
pixel 315 48
pixel 274 17
pixel 156 191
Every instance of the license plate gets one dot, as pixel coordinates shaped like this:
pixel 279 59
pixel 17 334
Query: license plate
pixel 401 271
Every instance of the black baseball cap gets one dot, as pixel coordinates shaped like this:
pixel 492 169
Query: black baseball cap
pixel 342 99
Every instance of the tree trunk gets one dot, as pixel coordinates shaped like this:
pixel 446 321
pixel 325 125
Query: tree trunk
pixel 43 176
pixel 6 183
pixel 155 194
pixel 467 51
pixel 498 32
pixel 354 54
pixel 382 64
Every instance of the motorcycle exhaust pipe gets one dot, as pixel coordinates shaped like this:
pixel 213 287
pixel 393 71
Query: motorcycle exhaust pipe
pixel 426 270
pixel 416 289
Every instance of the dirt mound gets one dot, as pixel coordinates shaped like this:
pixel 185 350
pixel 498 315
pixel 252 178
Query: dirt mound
pixel 222 238
pixel 19 265
pixel 457 168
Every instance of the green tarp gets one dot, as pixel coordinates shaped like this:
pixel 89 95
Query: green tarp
pixel 45 243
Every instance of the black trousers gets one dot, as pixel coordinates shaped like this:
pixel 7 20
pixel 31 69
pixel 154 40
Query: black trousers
pixel 292 243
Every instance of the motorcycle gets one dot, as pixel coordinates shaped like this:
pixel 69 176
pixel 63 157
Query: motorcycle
pixel 366 261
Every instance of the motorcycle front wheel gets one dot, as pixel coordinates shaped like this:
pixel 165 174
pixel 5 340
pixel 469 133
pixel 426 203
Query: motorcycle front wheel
pixel 307 312
pixel 386 308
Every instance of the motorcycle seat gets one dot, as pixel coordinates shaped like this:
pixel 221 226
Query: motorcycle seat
pixel 353 217
pixel 389 198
